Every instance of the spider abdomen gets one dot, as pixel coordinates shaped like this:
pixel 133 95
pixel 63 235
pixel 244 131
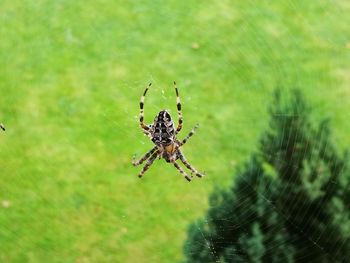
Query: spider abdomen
pixel 163 131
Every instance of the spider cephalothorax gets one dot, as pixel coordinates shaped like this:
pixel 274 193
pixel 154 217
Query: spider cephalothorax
pixel 162 132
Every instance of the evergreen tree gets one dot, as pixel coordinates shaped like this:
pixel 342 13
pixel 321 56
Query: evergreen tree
pixel 289 203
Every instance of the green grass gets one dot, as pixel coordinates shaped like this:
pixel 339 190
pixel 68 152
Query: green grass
pixel 71 76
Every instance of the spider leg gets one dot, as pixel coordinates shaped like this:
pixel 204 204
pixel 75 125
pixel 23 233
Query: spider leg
pixel 182 172
pixel 142 100
pixel 190 134
pixel 183 160
pixel 179 113
pixel 144 158
pixel 148 164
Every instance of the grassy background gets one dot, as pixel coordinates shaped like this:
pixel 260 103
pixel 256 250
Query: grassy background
pixel 71 74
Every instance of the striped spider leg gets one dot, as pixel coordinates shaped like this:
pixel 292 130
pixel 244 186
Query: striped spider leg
pixel 148 163
pixel 143 158
pixel 179 112
pixel 190 134
pixel 182 172
pixel 182 157
pixel 144 127
pixel 190 167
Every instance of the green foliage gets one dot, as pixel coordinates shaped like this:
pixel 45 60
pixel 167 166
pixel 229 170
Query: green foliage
pixel 290 202
pixel 313 177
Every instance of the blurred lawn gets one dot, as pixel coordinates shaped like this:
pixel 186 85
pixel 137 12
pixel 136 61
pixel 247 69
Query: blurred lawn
pixel 71 76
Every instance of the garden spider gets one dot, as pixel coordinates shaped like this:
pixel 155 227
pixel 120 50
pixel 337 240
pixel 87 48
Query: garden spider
pixel 163 134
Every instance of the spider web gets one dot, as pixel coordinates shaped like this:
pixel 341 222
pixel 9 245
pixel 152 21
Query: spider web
pixel 281 75
pixel 209 241
pixel 113 234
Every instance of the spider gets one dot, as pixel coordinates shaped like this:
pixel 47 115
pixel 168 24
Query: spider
pixel 2 126
pixel 163 134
